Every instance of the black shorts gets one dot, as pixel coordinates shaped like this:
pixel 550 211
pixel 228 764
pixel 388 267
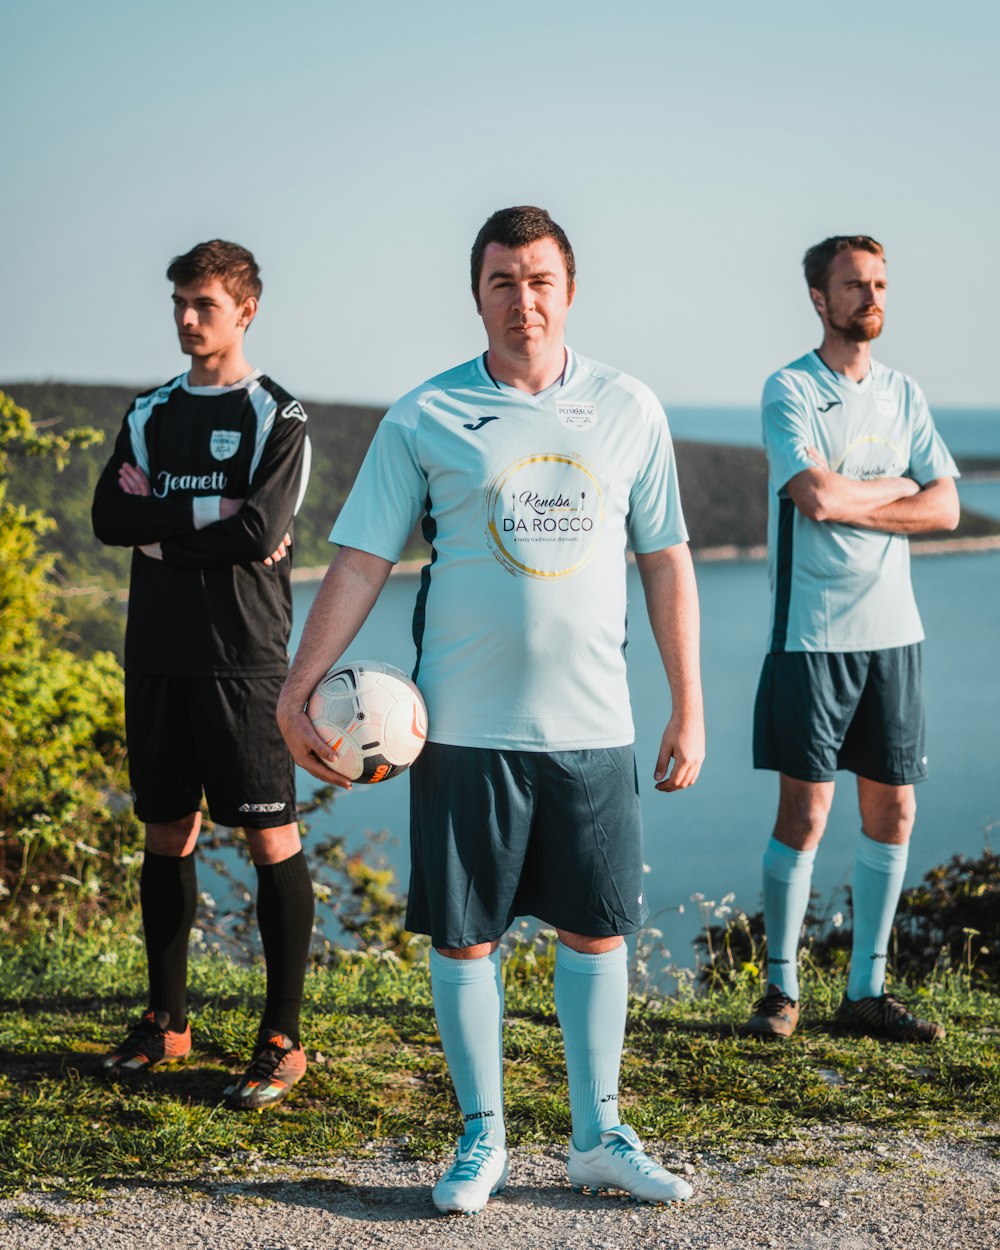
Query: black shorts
pixel 213 734
pixel 499 834
pixel 819 711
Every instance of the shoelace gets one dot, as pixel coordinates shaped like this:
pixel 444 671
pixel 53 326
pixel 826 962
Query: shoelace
pixel 772 1004
pixel 140 1033
pixel 895 1012
pixel 469 1168
pixel 637 1159
pixel 265 1061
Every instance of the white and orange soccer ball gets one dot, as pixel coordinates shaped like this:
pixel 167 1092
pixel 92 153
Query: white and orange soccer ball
pixel 373 716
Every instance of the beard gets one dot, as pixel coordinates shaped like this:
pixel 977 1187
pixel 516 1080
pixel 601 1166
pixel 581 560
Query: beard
pixel 861 327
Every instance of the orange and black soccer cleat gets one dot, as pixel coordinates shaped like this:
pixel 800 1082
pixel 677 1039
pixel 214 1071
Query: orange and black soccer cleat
pixel 149 1043
pixel 277 1064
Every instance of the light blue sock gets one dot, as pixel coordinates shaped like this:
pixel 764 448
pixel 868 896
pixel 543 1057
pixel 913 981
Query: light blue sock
pixel 591 993
pixel 468 1005
pixel 787 881
pixel 878 879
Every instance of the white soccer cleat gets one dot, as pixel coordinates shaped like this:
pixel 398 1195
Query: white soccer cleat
pixel 620 1162
pixel 479 1172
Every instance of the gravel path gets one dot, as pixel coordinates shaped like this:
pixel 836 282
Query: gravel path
pixel 835 1189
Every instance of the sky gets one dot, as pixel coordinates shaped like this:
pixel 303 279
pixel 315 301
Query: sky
pixel 692 152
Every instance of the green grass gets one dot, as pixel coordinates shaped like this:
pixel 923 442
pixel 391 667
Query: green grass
pixel 380 1076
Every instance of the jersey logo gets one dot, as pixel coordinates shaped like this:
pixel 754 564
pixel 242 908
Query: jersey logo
pixel 224 443
pixel 887 403
pixel 576 416
pixel 826 407
pixel 478 425
pixel 294 409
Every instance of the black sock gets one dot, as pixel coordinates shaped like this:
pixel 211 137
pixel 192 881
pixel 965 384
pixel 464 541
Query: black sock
pixel 285 909
pixel 168 893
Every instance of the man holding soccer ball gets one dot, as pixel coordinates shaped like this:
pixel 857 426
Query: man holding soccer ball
pixel 532 469
pixel 206 475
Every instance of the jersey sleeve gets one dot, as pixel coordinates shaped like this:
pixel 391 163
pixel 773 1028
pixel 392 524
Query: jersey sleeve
pixel 655 517
pixel 929 457
pixel 389 494
pixel 276 491
pixel 123 520
pixel 787 432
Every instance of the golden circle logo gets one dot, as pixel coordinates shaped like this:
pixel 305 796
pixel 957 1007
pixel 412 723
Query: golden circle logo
pixel 544 515
pixel 871 456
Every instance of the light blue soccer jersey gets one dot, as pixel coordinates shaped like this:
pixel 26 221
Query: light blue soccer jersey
pixel 839 587
pixel 529 503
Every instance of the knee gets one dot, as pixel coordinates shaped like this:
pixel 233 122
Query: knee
pixel 893 821
pixel 801 825
pixel 271 846
pixel 589 945
pixel 175 838
pixel 479 951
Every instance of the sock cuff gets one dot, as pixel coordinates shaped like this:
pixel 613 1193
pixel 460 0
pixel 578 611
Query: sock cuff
pixel 786 864
pixel 881 856
pixel 183 865
pixel 592 965
pixel 464 971
pixel 294 868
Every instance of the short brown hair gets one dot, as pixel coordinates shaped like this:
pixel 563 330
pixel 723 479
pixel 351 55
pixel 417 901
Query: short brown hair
pixel 233 265
pixel 517 227
pixel 818 259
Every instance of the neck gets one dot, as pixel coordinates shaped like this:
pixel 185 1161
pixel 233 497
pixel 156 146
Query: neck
pixel 844 356
pixel 223 369
pixel 527 375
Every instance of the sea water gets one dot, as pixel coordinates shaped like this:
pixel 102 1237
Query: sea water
pixel 708 840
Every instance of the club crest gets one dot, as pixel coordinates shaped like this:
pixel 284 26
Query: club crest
pixel 886 402
pixel 224 443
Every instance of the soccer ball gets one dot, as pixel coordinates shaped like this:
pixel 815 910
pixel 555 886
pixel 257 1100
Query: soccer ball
pixel 373 716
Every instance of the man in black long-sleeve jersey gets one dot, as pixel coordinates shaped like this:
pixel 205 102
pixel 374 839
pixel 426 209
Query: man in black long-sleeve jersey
pixel 206 476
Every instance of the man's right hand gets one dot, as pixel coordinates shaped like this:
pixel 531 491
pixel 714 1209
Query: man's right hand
pixel 229 507
pixel 307 748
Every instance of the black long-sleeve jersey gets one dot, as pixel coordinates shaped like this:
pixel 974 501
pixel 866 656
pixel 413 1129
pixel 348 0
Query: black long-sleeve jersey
pixel 202 601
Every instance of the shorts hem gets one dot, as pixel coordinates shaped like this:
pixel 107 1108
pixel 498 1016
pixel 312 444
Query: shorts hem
pixel 624 930
pixel 262 822
pixel 798 774
pixel 164 820
pixel 457 946
pixel 888 779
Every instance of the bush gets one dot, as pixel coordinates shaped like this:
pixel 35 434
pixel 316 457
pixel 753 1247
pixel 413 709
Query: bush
pixel 64 811
pixel 950 922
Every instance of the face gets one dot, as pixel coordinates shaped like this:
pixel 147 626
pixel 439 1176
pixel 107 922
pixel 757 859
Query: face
pixel 209 321
pixel 853 303
pixel 524 296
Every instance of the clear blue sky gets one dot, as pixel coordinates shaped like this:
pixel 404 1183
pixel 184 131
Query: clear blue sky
pixel 692 152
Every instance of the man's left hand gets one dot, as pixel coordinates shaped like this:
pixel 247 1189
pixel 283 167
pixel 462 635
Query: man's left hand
pixel 684 744
pixel 280 552
pixel 133 481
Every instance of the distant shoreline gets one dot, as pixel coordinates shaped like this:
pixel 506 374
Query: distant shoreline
pixel 715 555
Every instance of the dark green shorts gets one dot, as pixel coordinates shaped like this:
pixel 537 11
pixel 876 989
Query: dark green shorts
pixel 499 834
pixel 820 711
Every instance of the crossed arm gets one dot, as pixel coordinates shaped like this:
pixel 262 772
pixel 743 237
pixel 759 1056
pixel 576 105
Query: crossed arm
pixel 133 481
pixel 892 505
